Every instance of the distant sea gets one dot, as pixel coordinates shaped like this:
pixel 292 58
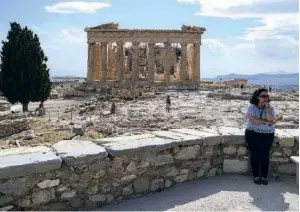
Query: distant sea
pixel 277 84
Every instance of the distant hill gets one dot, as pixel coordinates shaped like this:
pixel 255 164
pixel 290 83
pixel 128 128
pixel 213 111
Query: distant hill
pixel 274 78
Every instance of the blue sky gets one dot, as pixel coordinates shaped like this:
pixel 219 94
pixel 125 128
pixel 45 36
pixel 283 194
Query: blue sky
pixel 243 36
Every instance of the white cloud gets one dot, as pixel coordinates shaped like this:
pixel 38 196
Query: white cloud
pixel 276 26
pixel 76 7
pixel 228 50
pixel 276 29
pixel 225 8
pixel 71 36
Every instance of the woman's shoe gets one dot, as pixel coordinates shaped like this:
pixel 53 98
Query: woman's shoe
pixel 257 180
pixel 264 181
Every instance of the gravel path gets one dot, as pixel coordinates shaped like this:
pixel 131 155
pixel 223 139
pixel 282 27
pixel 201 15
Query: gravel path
pixel 220 193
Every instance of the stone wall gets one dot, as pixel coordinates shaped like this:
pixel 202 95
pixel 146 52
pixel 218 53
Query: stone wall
pixel 85 175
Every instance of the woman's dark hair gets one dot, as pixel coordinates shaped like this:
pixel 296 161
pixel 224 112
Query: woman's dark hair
pixel 254 98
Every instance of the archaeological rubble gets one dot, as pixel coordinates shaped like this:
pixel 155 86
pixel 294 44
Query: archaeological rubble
pixel 165 56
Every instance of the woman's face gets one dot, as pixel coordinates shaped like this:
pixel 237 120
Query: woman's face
pixel 263 97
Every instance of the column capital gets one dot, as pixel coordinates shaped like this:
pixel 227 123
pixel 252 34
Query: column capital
pixel 104 43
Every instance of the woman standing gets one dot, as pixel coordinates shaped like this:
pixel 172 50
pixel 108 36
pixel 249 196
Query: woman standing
pixel 260 134
pixel 168 104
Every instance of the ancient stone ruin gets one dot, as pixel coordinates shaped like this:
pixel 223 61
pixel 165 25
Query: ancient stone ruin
pixel 86 175
pixel 153 56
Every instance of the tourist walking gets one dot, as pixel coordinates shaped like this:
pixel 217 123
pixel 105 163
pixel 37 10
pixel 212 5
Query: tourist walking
pixel 113 108
pixel 260 134
pixel 168 104
pixel 101 108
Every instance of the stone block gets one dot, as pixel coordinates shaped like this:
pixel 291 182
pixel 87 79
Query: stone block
pixel 26 202
pixel 41 197
pixel 208 137
pixel 127 191
pixel 296 160
pixel 78 129
pixel 235 166
pixel 4 200
pixel 75 152
pixel 293 132
pixel 187 153
pixel 242 150
pixel 289 168
pixel 157 184
pixel 192 176
pixel 68 195
pixel 141 185
pixel 229 150
pixel 277 154
pixel 26 164
pixel 209 151
pixel 76 202
pixel 181 178
pixel 101 198
pixel 232 135
pixel 172 172
pixel 162 160
pixel 131 167
pixel 109 198
pixel 279 159
pixel 127 179
pixel 7 208
pixel 212 172
pixel 92 190
pixel 176 134
pixel 168 184
pixel 287 151
pixel 200 173
pixel 48 183
pixel 132 145
pixel 283 138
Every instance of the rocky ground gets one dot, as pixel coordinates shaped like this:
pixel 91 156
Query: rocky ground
pixel 191 109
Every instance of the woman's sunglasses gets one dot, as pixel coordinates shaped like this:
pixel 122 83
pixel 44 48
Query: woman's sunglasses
pixel 264 96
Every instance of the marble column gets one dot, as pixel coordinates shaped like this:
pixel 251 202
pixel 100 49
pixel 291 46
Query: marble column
pixel 151 62
pixel 183 62
pixel 90 62
pixel 196 71
pixel 120 61
pixel 167 65
pixel 109 62
pixel 135 68
pixel 103 76
pixel 97 62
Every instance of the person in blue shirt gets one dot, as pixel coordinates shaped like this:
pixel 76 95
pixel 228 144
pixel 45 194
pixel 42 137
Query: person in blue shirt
pixel 260 134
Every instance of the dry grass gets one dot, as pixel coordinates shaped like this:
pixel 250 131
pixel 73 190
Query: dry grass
pixel 47 133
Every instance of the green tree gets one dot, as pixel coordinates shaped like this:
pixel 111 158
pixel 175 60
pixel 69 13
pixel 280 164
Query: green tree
pixel 24 75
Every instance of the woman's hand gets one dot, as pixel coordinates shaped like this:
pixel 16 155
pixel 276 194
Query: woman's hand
pixel 267 105
pixel 273 122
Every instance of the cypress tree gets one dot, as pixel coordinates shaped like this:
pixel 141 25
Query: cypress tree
pixel 24 75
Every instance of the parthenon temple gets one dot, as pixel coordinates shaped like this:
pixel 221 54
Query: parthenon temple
pixel 134 55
